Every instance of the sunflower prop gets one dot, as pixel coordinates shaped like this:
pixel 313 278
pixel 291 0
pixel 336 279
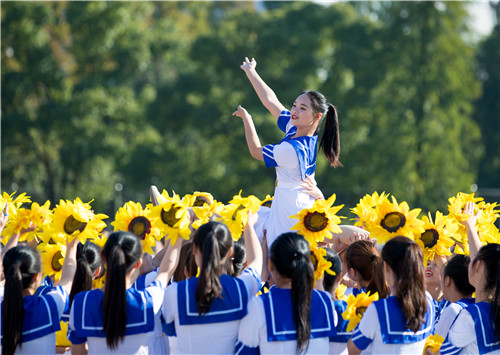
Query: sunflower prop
pixel 61 335
pixel 356 307
pixel 340 292
pixel 14 203
pixel 365 209
pixel 198 199
pixel 319 221
pixel 174 219
pixel 267 201
pixel 52 259
pixel 18 221
pixel 235 215
pixel 395 219
pixel 321 265
pixel 133 218
pixel 75 219
pixel 206 212
pixel 434 342
pixel 434 240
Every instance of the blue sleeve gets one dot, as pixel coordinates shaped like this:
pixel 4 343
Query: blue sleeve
pixel 268 155
pixel 242 349
pixel 360 340
pixel 74 339
pixel 283 120
pixel 447 348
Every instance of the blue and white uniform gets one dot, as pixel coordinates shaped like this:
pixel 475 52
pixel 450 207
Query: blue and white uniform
pixel 338 342
pixel 293 159
pixel 449 314
pixel 86 320
pixel 269 327
pixel 383 330
pixel 216 331
pixel 472 332
pixel 42 314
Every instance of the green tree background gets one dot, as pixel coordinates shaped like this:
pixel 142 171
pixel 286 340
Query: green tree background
pixel 100 100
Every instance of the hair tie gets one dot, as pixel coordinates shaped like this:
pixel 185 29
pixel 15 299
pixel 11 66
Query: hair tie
pixel 373 256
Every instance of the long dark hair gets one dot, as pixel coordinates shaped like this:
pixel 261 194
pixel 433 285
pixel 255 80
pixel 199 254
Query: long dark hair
pixel 490 256
pixel 88 260
pixel 121 251
pixel 213 240
pixel 330 139
pixel 20 264
pixel 363 256
pixel 405 259
pixel 290 256
pixel 334 258
pixel 457 270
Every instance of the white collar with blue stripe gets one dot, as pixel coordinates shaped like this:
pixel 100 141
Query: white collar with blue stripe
pixel 487 340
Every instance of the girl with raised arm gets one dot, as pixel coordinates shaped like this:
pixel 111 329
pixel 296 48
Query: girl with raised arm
pixel 295 155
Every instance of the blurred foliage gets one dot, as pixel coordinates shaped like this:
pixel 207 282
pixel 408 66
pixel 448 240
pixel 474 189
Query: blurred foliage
pixel 96 94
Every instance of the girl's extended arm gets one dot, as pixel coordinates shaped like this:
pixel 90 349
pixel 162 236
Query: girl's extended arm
pixel 252 244
pixel 69 265
pixel 470 226
pixel 169 262
pixel 265 93
pixel 251 136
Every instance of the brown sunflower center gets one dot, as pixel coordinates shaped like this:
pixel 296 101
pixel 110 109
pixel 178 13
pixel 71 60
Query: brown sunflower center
pixel 240 207
pixel 56 261
pixel 168 217
pixel 360 311
pixel 71 225
pixel 140 226
pixel 430 238
pixel 267 203
pixel 393 221
pixel 200 201
pixel 315 221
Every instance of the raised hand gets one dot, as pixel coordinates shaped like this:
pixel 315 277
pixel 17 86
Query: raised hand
pixel 242 112
pixel 248 64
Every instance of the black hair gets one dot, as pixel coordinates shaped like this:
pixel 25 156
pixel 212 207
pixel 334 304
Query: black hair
pixel 404 257
pixel 290 256
pixel 457 270
pixel 213 240
pixel 20 264
pixel 490 256
pixel 334 258
pixel 185 255
pixel 121 251
pixel 330 139
pixel 239 258
pixel 88 260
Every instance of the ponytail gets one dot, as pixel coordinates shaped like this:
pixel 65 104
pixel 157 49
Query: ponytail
pixel 20 264
pixel 88 260
pixel 404 257
pixel 330 140
pixel 290 256
pixel 121 251
pixel 213 240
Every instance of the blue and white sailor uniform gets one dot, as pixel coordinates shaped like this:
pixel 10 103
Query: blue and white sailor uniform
pixel 338 342
pixel 449 314
pixel 472 332
pixel 86 319
pixel 269 327
pixel 440 306
pixel 383 329
pixel 42 314
pixel 216 331
pixel 293 159
pixel 145 280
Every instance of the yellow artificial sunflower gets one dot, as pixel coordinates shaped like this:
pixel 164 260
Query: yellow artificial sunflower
pixel 75 219
pixel 356 307
pixel 321 265
pixel 206 212
pixel 99 282
pixel 319 221
pixel 395 219
pixel 267 201
pixel 133 218
pixel 174 219
pixel 235 215
pixel 14 203
pixel 435 239
pixel 434 342
pixel 365 209
pixel 340 292
pixel 52 259
pixel 18 221
pixel 61 335
pixel 41 216
pixel 262 291
pixel 198 199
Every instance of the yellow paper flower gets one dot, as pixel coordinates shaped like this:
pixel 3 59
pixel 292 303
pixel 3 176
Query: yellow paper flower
pixel 18 221
pixel 340 292
pixel 14 203
pixel 434 342
pixel 174 219
pixel 321 265
pixel 365 209
pixel 52 259
pixel 61 335
pixel 41 217
pixel 198 199
pixel 435 239
pixel 395 219
pixel 133 218
pixel 356 307
pixel 267 201
pixel 75 219
pixel 266 290
pixel 206 212
pixel 235 215
pixel 319 221
pixel 99 282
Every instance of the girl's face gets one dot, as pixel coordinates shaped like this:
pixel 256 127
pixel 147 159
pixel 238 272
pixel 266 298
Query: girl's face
pixel 432 274
pixel 302 113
